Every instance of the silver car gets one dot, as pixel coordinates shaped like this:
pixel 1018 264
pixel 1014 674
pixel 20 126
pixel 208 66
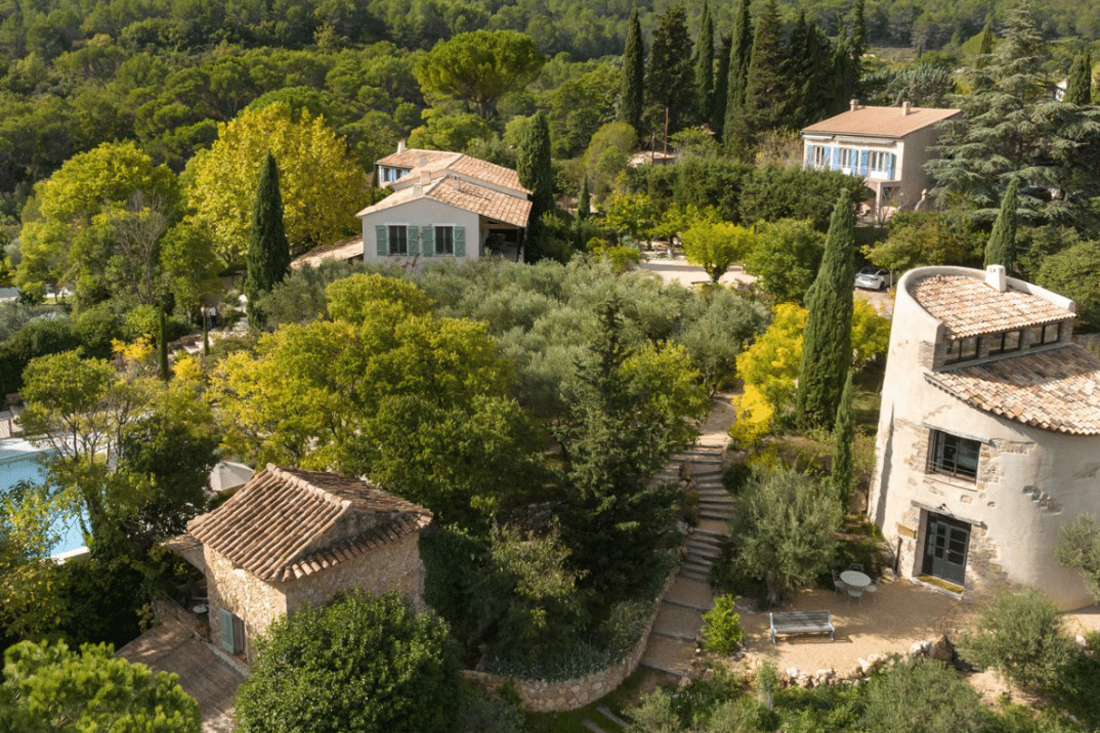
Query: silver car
pixel 874 278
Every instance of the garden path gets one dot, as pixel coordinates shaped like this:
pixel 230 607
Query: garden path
pixel 672 642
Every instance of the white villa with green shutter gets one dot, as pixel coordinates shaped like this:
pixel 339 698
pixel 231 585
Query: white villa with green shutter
pixel 444 205
pixel 886 146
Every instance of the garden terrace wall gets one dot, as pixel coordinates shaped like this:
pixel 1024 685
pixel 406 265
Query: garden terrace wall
pixel 542 696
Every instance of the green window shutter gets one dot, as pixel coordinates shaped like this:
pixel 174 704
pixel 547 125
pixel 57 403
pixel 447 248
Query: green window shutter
pixel 225 625
pixel 382 235
pixel 414 241
pixel 460 241
pixel 427 237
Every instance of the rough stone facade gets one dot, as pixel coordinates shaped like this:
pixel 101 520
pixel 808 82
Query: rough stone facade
pixel 395 566
pixel 244 595
pixel 559 696
pixel 1030 481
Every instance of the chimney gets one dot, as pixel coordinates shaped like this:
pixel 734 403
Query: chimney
pixel 422 160
pixel 906 108
pixel 853 105
pixel 996 277
pixel 400 146
pixel 418 189
pixel 425 178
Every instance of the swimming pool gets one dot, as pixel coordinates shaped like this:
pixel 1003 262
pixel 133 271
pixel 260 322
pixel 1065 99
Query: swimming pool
pixel 19 461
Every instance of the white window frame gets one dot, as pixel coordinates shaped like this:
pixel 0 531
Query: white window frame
pixel 819 156
pixel 878 161
pixel 845 157
pixel 389 238
pixel 435 239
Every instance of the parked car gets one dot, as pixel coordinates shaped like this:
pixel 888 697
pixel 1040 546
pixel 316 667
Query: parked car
pixel 874 278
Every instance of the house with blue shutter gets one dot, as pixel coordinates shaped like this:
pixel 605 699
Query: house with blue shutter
pixel 886 146
pixel 444 206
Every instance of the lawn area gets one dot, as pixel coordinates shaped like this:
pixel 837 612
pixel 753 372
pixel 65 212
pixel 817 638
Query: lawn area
pixel 626 695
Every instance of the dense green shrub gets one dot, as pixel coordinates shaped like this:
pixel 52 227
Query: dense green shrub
pixel 397 671
pixel 722 631
pixel 772 193
pixel 923 697
pixel 1023 636
pixel 783 536
pixel 50 334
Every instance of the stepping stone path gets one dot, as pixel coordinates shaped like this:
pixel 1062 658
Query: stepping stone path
pixel 672 641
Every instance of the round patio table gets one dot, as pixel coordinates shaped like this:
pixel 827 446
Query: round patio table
pixel 855 579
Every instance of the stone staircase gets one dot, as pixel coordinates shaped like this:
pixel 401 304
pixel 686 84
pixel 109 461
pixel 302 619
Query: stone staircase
pixel 672 640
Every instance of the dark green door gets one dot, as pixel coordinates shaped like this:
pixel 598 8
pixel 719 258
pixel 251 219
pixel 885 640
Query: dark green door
pixel 946 543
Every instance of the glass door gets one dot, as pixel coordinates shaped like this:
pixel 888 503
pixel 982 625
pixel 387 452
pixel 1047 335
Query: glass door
pixel 946 543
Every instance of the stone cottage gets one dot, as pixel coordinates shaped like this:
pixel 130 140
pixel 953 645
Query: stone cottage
pixel 291 537
pixel 989 433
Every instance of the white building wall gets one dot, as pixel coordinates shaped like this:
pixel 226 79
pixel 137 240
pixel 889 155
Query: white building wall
pixel 421 212
pixel 1030 481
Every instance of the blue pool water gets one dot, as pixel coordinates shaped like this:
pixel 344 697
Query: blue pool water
pixel 19 462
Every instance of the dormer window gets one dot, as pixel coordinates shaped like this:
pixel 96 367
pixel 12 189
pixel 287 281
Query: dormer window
pixel 1051 333
pixel 962 349
pixel 1002 343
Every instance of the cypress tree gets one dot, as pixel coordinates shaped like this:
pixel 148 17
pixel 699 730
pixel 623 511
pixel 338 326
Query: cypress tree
pixel 268 256
pixel 827 340
pixel 739 56
pixel 721 86
pixel 844 431
pixel 985 47
pixel 1079 84
pixel 632 101
pixel 584 202
pixel 844 83
pixel 704 66
pixel 162 344
pixel 1001 248
pixel 669 81
pixel 859 31
pixel 536 173
pixel 766 95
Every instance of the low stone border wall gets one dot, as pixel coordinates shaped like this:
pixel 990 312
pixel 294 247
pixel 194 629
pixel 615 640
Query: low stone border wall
pixel 165 608
pixel 559 696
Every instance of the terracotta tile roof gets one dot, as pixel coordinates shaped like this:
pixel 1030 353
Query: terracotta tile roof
pixel 967 306
pixel 287 523
pixel 1054 389
pixel 483 201
pixel 346 249
pixel 487 202
pixel 414 157
pixel 483 170
pixel 881 121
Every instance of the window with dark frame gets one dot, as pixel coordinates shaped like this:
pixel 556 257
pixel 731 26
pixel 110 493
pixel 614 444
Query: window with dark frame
pixel 963 349
pixel 953 456
pixel 1002 343
pixel 445 240
pixel 399 239
pixel 1051 333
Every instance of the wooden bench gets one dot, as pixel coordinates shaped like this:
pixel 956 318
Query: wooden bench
pixel 802 622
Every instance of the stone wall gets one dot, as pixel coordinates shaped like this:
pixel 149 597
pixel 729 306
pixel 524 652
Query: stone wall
pixel 395 566
pixel 241 593
pixel 165 609
pixel 562 695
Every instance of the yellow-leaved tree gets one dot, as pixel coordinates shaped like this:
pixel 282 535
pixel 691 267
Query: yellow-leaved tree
pixel 322 186
pixel 769 367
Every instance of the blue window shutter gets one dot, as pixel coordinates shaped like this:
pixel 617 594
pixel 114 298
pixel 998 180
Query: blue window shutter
pixel 864 155
pixel 427 239
pixel 225 625
pixel 809 156
pixel 414 240
pixel 460 241
pixel 893 159
pixel 382 235
pixel 828 157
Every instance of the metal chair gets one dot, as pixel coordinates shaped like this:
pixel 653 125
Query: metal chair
pixel 839 586
pixel 873 590
pixel 856 593
pixel 856 566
